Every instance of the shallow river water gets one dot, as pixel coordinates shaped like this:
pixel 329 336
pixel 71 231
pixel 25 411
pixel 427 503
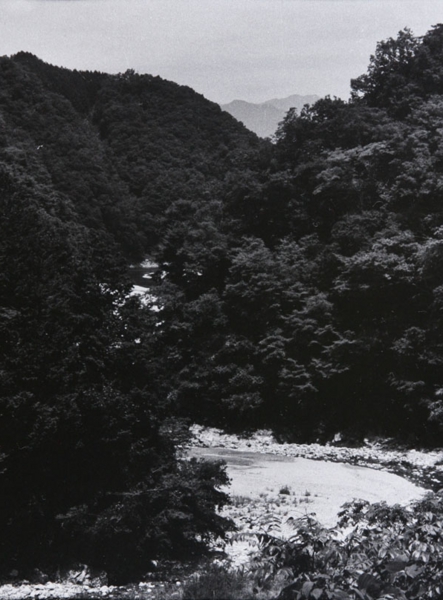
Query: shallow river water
pixel 321 487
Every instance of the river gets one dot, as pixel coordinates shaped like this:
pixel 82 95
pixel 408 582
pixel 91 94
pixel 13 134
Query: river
pixel 314 486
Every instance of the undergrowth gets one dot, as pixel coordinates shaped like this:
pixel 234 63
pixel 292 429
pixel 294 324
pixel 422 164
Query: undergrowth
pixel 375 552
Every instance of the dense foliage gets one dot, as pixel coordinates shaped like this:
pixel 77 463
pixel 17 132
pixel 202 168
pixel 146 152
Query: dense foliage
pixel 90 470
pixel 374 552
pixel 309 298
pixel 299 287
pixel 117 150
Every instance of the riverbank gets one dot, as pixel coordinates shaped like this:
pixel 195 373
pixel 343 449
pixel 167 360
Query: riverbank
pixel 424 468
pixel 274 485
pixel 70 590
pixel 265 505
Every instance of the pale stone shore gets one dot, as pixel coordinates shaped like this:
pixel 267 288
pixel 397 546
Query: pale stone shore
pixel 424 468
pixel 272 484
pixel 59 590
pixel 49 590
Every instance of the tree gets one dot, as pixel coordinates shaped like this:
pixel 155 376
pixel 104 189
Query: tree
pixel 88 447
pixel 389 81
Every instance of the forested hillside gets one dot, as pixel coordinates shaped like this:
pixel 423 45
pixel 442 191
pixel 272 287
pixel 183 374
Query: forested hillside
pixel 300 288
pixel 311 299
pixel 90 164
pixel 115 151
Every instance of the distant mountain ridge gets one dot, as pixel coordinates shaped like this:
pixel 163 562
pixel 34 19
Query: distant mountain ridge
pixel 263 118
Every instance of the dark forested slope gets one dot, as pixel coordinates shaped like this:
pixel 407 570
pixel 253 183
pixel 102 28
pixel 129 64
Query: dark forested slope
pixel 117 150
pixel 89 167
pixel 326 315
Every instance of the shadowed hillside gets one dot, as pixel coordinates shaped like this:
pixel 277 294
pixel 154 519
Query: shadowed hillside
pixel 90 165
pixel 117 150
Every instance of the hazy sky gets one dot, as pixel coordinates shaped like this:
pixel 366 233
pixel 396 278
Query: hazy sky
pixel 224 49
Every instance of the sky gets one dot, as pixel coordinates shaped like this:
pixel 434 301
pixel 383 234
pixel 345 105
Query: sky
pixel 252 50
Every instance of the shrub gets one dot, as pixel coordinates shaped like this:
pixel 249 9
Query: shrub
pixel 391 552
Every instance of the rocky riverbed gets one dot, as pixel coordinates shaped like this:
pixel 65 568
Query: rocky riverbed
pixel 267 505
pixel 88 591
pixel 425 468
pixel 273 485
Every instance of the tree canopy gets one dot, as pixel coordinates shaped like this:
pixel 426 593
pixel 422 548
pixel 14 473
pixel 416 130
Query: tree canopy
pixel 325 282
